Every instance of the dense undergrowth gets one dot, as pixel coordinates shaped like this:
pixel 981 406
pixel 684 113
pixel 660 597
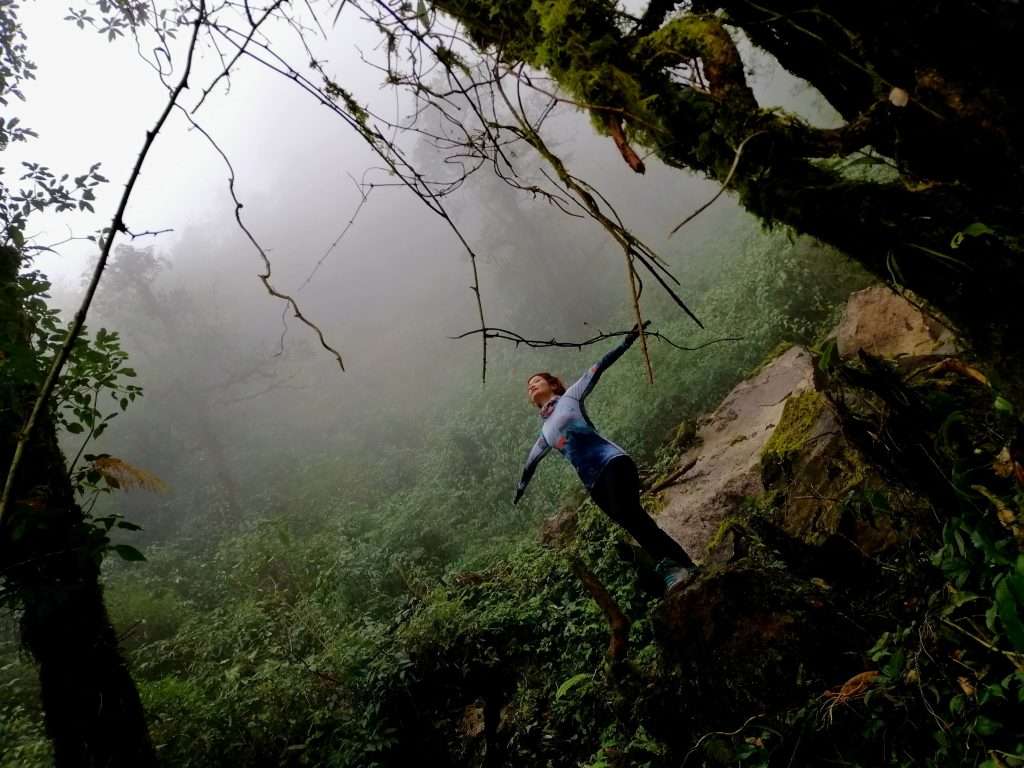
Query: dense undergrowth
pixel 424 622
pixel 352 624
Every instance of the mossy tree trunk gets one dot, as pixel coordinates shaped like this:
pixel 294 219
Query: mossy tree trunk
pixel 930 86
pixel 50 565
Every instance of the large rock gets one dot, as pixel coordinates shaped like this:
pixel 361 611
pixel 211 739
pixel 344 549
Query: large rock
pixel 757 638
pixel 728 450
pixel 885 324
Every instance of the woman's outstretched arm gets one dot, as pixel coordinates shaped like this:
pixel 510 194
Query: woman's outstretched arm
pixel 539 451
pixel 588 380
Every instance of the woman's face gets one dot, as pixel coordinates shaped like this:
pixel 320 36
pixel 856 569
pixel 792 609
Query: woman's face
pixel 538 389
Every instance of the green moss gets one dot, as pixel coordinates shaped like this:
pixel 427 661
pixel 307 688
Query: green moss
pixel 724 527
pixel 799 416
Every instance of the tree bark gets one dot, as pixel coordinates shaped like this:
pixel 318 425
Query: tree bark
pixel 50 562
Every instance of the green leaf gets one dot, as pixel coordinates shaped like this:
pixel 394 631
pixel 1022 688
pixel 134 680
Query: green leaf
pixel 128 552
pixel 17 237
pixel 1009 615
pixel 894 668
pixel 1003 405
pixel 956 704
pixel 128 526
pixel 75 428
pixel 571 683
pixel 986 726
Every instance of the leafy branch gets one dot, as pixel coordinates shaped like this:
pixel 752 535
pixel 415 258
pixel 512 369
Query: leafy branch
pixel 116 226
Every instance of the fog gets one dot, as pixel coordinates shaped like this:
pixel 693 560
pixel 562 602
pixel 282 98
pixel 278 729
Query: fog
pixel 240 399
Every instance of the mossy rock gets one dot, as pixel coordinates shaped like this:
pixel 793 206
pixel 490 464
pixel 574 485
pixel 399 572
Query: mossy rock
pixel 801 416
pixel 684 436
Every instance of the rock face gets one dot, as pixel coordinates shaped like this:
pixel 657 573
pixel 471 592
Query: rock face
pixel 791 524
pixel 885 324
pixel 739 453
pixel 728 452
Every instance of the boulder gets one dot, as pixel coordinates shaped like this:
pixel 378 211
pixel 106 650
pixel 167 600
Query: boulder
pixel 885 324
pixel 727 452
pixel 758 639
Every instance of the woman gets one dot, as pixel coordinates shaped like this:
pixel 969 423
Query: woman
pixel 606 470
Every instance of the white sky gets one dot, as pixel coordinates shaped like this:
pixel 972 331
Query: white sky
pixel 94 100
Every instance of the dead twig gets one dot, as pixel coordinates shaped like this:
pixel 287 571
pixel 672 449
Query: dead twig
pixel 725 185
pixel 265 276
pixel 674 478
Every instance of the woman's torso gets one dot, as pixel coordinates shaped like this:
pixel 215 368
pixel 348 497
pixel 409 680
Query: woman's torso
pixel 567 428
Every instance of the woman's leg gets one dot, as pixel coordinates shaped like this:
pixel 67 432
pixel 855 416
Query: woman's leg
pixel 617 493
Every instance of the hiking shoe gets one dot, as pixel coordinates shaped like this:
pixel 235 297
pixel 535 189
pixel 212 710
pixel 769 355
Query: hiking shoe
pixel 674 575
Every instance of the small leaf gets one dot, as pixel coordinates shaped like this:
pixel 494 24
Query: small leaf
pixel 571 683
pixel 1009 615
pixel 128 552
pixel 986 726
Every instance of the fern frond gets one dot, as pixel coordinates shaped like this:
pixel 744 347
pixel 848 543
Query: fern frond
pixel 127 476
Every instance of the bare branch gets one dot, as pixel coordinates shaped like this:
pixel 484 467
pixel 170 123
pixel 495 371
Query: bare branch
pixel 364 195
pixel 725 185
pixel 239 52
pixel 147 233
pixel 507 335
pixel 265 276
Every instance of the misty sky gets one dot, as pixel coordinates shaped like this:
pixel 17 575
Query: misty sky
pixel 93 100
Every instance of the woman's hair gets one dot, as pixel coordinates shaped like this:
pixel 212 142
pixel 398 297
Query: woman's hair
pixel 556 383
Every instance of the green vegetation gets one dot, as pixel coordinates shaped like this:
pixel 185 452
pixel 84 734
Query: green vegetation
pixel 344 581
pixel 307 636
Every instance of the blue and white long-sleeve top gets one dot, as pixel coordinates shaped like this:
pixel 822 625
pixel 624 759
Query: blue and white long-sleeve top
pixel 567 428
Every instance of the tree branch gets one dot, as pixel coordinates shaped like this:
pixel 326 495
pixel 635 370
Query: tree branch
pixel 265 276
pixel 517 339
pixel 725 185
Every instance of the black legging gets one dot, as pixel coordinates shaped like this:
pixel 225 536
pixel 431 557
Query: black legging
pixel 617 493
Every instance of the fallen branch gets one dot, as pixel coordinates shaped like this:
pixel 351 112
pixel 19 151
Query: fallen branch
pixel 674 477
pixel 558 532
pixel 618 623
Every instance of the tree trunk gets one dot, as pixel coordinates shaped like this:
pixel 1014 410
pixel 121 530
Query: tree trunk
pixel 50 560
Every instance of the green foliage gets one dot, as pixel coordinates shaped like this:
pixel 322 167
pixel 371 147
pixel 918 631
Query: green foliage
pixel 955 669
pixel 23 744
pixel 95 378
pixel 313 641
